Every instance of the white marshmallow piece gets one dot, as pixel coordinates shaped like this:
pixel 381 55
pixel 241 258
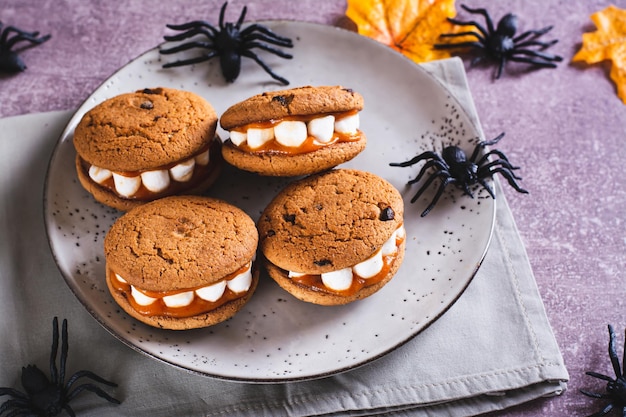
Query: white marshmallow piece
pixel 203 158
pixel 390 247
pixel 183 171
pixel 338 280
pixel 258 137
pixel 126 186
pixel 291 133
pixel 240 283
pixel 322 128
pixel 120 279
pixel 155 181
pixel 370 267
pixel 98 174
pixel 141 298
pixel 237 138
pixel 181 299
pixel 348 125
pixel 293 274
pixel 212 292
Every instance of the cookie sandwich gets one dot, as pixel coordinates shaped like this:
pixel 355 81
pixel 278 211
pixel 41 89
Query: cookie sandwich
pixel 293 132
pixel 334 237
pixel 182 262
pixel 140 146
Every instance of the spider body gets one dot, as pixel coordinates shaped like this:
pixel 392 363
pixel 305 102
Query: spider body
pixel 10 62
pixel 615 387
pixel 45 397
pixel 230 43
pixel 500 44
pixel 454 167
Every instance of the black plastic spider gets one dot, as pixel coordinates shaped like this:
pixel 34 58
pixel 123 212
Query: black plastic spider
pixel 615 388
pixel 501 44
pixel 48 397
pixel 230 43
pixel 10 62
pixel 453 167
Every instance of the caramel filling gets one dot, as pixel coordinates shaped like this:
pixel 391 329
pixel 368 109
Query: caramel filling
pixel 158 307
pixel 315 282
pixel 197 167
pixel 310 144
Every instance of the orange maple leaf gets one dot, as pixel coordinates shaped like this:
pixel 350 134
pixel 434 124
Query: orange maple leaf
pixel 607 43
pixel 411 27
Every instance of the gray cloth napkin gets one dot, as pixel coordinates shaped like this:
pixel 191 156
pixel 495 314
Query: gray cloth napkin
pixel 494 348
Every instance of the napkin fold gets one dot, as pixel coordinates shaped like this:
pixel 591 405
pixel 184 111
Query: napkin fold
pixel 494 348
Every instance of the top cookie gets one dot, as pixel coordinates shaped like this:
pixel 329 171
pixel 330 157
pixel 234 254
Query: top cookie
pixel 146 129
pixel 300 101
pixel 180 242
pixel 293 132
pixel 329 221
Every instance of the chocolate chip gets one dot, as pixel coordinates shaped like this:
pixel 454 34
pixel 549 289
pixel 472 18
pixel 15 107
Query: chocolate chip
pixel 151 91
pixel 323 262
pixel 387 214
pixel 283 100
pixel 290 218
pixel 147 105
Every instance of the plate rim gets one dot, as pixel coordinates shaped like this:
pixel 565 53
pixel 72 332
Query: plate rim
pixel 72 121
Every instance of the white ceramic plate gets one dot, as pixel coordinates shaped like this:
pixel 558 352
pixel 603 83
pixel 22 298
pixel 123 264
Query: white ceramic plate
pixel 277 338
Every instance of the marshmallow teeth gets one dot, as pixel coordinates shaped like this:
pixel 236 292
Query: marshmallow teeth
pixel 341 280
pixel 293 133
pixel 155 181
pixel 212 293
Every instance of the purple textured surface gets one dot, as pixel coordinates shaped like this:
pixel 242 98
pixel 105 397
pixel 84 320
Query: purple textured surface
pixel 566 128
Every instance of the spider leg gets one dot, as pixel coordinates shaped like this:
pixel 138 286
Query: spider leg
pixel 478 36
pixel 459 45
pixel 252 55
pixel 536 54
pixel 484 14
pixel 33 40
pixel 415 160
pixel 250 45
pixel 500 68
pixel 543 45
pixel 501 155
pixel 190 33
pixel 88 374
pixel 222 11
pixel 606 410
pixel 486 186
pixel 69 410
pixel 482 144
pixel 190 61
pixel 270 36
pixel 613 352
pixel 540 64
pixel 54 376
pixel 473 23
pixel 440 190
pixel 242 16
pixel 506 173
pixel 187 46
pixel 438 164
pixel 18 33
pixel 535 33
pixel 64 350
pixel 599 376
pixel 268 39
pixel 19 407
pixel 96 390
pixel 594 394
pixel 500 162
